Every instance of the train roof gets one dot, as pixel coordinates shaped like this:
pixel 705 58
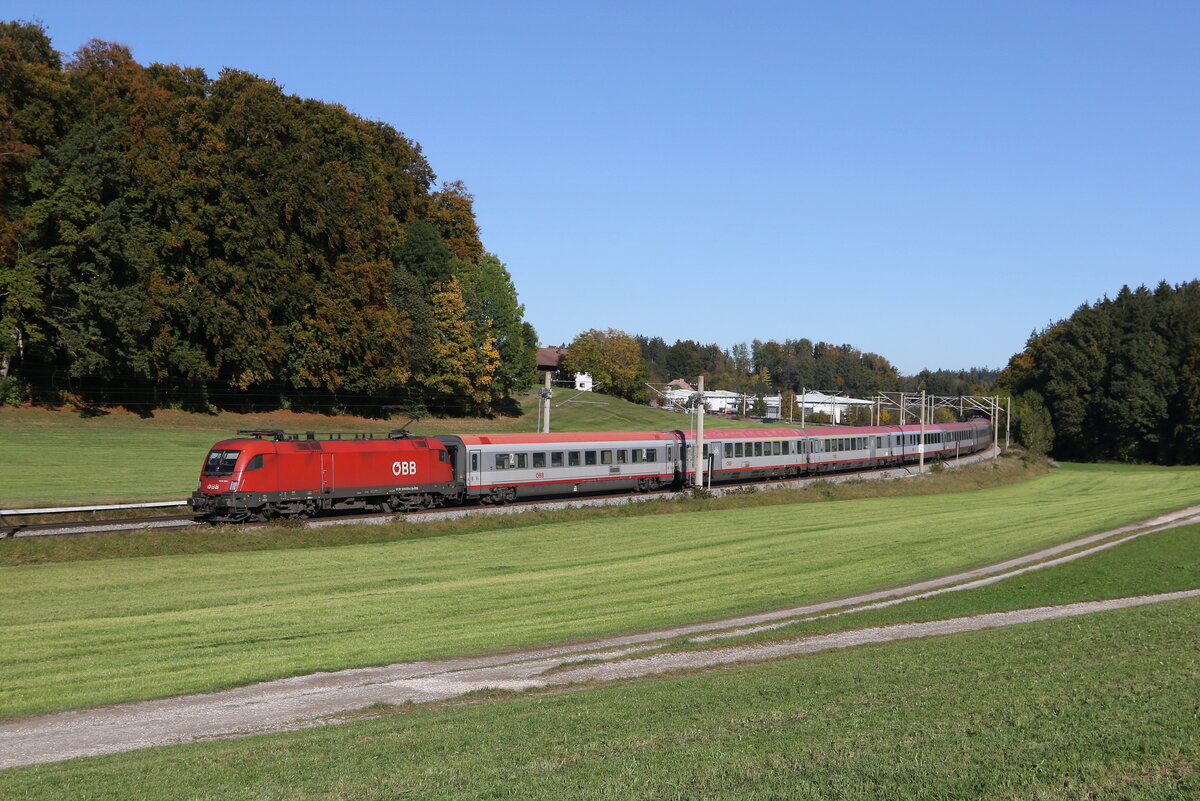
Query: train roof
pixel 565 437
pixel 330 444
pixel 823 431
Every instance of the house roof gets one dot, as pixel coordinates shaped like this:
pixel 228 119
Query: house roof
pixel 549 358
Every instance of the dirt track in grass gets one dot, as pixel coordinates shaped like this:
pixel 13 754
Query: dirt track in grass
pixel 323 698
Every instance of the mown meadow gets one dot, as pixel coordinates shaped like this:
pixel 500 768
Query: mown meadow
pixel 1102 706
pixel 100 631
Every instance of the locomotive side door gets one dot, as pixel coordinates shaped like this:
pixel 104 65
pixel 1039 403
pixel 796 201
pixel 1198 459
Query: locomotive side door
pixel 327 477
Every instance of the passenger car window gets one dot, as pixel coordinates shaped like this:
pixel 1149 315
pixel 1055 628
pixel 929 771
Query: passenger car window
pixel 556 459
pixel 539 460
pixel 573 458
pixel 589 457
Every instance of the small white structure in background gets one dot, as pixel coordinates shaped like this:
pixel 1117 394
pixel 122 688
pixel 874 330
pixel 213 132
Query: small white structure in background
pixel 722 401
pixel 774 407
pixel 583 382
pixel 836 406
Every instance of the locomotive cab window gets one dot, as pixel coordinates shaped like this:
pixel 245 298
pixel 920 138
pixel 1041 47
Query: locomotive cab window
pixel 255 463
pixel 220 463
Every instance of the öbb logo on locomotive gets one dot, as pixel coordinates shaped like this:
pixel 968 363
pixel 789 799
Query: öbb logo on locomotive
pixel 259 475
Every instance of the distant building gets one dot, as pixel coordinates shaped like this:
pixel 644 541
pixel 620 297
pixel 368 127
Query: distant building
pixel 722 401
pixel 836 406
pixel 549 358
pixel 549 361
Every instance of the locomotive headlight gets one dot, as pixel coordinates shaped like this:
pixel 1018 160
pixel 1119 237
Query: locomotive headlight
pixel 233 486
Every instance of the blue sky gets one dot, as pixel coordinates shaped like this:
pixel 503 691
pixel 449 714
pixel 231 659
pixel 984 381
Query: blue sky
pixel 930 181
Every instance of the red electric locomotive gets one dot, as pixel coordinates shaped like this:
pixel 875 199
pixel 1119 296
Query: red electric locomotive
pixel 265 474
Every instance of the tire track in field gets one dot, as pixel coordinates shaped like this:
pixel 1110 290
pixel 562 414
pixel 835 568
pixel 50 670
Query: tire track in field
pixel 322 698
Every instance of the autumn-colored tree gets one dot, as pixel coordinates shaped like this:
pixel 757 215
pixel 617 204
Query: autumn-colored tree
pixel 614 359
pixel 464 358
pixel 493 305
pixel 33 99
pixel 164 232
pixel 453 215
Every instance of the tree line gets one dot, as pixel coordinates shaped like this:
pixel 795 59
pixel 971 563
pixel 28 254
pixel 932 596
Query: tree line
pixel 623 364
pixel 164 234
pixel 1118 380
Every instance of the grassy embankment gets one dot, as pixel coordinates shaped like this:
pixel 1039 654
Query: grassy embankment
pixel 57 457
pixel 1102 706
pixel 116 629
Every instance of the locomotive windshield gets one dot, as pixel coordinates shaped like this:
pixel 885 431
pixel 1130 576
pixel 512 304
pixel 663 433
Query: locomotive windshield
pixel 220 463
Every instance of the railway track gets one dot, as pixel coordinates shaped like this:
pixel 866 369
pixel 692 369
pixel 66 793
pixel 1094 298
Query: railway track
pixel 69 528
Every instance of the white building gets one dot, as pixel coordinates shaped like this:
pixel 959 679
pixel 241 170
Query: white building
pixel 583 382
pixel 836 406
pixel 722 401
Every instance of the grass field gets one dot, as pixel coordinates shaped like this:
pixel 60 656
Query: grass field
pixel 1097 707
pixel 1163 562
pixel 58 457
pixel 95 632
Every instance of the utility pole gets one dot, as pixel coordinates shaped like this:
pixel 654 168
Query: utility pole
pixel 921 444
pixel 700 435
pixel 546 393
pixel 996 422
pixel 1007 419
